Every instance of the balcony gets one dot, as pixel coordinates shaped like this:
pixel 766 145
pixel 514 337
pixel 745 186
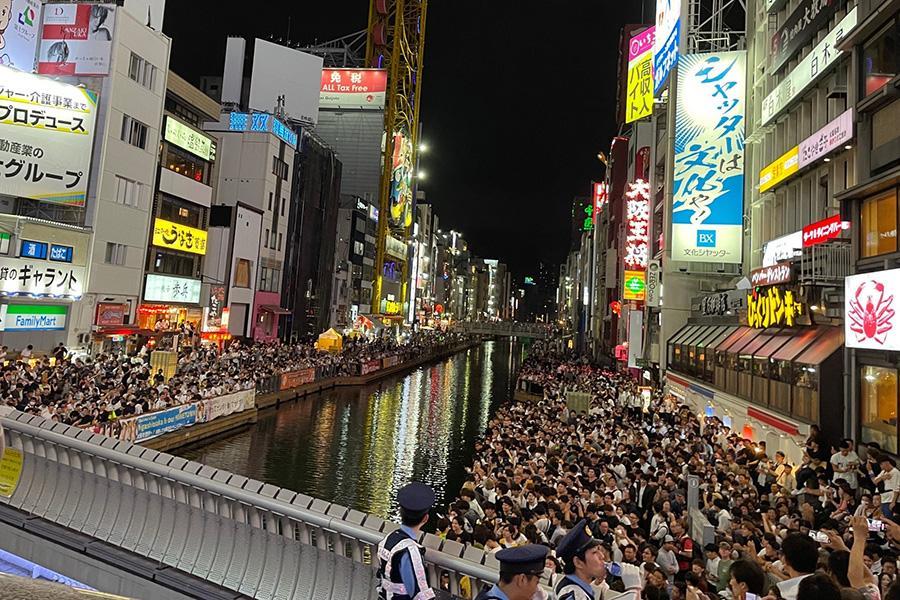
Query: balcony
pixel 825 264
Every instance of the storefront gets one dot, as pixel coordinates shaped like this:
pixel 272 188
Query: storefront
pixel 267 311
pixel 169 302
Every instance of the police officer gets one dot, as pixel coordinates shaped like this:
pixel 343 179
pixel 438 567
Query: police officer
pixel 402 568
pixel 583 562
pixel 520 573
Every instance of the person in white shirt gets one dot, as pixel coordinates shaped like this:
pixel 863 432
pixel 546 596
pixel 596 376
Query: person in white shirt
pixel 800 555
pixel 890 476
pixel 845 463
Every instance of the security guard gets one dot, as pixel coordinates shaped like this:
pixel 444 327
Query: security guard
pixel 402 568
pixel 583 563
pixel 520 573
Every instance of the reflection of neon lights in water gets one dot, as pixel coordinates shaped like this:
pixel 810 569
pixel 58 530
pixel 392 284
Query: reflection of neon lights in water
pixel 486 387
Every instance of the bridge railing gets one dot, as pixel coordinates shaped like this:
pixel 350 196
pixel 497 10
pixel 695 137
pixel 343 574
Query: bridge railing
pixel 244 535
pixel 505 328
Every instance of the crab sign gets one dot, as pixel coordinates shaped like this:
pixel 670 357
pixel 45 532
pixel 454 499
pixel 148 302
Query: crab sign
pixel 870 314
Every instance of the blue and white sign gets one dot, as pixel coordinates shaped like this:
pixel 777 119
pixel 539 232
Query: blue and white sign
pixel 32 249
pixel 151 425
pixel 61 253
pixel 262 122
pixel 33 317
pixel 667 42
pixel 708 203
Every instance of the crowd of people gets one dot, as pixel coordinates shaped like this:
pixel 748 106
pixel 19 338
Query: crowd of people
pixel 819 530
pixel 90 392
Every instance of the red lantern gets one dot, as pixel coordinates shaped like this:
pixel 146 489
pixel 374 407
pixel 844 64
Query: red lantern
pixel 439 308
pixel 616 307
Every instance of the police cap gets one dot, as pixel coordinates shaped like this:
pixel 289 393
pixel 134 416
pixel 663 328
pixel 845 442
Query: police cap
pixel 578 540
pixel 416 497
pixel 528 559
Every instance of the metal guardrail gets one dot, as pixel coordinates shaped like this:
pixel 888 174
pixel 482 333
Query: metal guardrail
pixel 238 533
pixel 826 264
pixel 505 328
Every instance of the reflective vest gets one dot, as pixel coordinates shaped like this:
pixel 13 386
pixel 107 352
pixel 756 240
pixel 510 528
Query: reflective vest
pixel 390 551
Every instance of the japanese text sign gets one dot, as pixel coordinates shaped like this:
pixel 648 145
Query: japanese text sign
pixel 666 41
pixel 800 27
pixel 814 65
pixel 780 273
pixel 637 224
pixel 786 165
pixel 772 307
pixel 601 196
pixel 353 88
pixel 782 248
pixel 870 310
pixel 23 276
pixel 46 137
pixel 76 39
pixel 824 230
pixel 834 135
pixel 184 137
pixel 262 122
pixel 639 98
pixel 162 288
pixel 176 236
pixel 708 192
pixel 20 38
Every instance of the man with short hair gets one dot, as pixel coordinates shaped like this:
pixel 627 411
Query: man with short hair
pixel 890 477
pixel 520 573
pixel 582 557
pixel 845 462
pixel 800 554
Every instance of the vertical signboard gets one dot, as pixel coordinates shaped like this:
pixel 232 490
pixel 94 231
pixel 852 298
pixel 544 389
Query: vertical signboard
pixel 76 39
pixel 870 310
pixel 635 337
pixel 652 292
pixel 639 99
pixel 708 194
pixel 667 40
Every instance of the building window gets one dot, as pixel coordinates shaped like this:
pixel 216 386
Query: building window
pixel 279 241
pixel 178 211
pixel 279 168
pixel 134 132
pixel 282 207
pixel 128 192
pixel 274 239
pixel 185 163
pixel 174 264
pixel 881 57
pixel 242 273
pixel 142 71
pixel 878 406
pixel 266 239
pixel 268 279
pixel 878 224
pixel 358 248
pixel 115 253
pixel 270 201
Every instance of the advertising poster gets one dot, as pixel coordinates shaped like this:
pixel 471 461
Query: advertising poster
pixel 46 137
pixel 151 425
pixel 176 236
pixel 371 367
pixel 295 379
pixel 19 25
pixel 708 194
pixel 870 310
pixel 213 408
pixel 401 182
pixel 666 41
pixel 111 313
pixel 76 39
pixel 639 98
pixel 353 88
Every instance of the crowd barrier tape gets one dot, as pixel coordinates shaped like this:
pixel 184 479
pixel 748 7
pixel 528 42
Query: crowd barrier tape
pixel 295 379
pixel 370 367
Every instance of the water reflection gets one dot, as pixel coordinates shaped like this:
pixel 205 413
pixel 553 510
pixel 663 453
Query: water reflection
pixel 357 446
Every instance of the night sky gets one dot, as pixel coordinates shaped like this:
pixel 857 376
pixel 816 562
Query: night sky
pixel 518 98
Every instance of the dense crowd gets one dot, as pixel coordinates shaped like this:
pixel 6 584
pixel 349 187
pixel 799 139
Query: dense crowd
pixel 818 530
pixel 90 392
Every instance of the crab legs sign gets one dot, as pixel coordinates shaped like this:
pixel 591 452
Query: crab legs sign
pixel 870 310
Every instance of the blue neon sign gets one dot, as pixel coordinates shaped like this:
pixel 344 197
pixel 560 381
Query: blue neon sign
pixel 262 122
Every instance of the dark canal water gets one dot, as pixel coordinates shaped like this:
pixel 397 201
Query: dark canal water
pixel 358 446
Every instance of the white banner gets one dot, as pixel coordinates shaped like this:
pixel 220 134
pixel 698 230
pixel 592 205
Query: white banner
pixel 213 408
pixel 41 278
pixel 635 337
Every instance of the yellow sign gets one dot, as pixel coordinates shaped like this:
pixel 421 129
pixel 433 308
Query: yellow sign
pixel 10 471
pixel 786 165
pixel 772 307
pixel 639 98
pixel 391 307
pixel 634 286
pixel 175 236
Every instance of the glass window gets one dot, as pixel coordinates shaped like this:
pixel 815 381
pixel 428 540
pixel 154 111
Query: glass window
pixel 879 224
pixel 878 406
pixel 186 164
pixel 174 264
pixel 179 211
pixel 128 192
pixel 881 57
pixel 242 273
pixel 134 132
pixel 115 253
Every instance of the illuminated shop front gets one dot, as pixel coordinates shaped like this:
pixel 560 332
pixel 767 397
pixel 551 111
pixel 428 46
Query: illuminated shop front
pixel 169 302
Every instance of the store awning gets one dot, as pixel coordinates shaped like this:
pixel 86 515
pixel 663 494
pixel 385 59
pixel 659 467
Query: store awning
pixel 683 333
pixel 749 335
pixel 798 343
pixel 831 340
pixel 274 309
pixel 775 342
pixel 700 333
pixel 711 341
pixel 736 335
pixel 759 341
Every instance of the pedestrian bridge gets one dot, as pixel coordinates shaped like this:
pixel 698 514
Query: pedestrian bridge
pixel 505 329
pixel 198 531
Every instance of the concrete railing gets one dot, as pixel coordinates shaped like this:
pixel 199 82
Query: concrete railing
pixel 237 533
pixel 505 329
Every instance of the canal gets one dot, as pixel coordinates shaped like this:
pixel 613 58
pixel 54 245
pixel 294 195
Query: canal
pixel 357 446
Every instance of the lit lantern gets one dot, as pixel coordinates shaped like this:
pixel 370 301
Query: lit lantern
pixel 748 431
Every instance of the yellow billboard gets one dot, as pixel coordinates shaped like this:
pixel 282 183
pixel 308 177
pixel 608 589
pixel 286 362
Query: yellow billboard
pixel 176 236
pixel 639 98
pixel 786 165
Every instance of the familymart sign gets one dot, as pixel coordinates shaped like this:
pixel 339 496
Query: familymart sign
pixel 32 317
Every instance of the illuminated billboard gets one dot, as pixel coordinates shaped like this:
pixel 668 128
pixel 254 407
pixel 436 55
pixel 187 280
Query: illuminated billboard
pixel 76 39
pixel 870 310
pixel 186 138
pixel 708 192
pixel 667 40
pixel 639 98
pixel 46 138
pixel 401 182
pixel 353 88
pixel 780 169
pixel 289 74
pixel 175 236
pixel 637 236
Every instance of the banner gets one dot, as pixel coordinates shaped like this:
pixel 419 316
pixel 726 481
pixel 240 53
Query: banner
pixel 370 367
pixel 353 88
pixel 295 379
pixel 213 408
pixel 19 276
pixel 46 138
pixel 76 39
pixel 639 99
pixel 834 135
pixel 708 193
pixel 667 40
pixel 151 425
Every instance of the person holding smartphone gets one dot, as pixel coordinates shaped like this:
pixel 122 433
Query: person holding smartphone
pixel 890 477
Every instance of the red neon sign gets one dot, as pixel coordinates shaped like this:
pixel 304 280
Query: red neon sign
pixel 637 241
pixel 824 230
pixel 601 197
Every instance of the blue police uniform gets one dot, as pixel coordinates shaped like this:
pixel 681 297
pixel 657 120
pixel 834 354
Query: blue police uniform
pixel 527 559
pixel 401 570
pixel 577 541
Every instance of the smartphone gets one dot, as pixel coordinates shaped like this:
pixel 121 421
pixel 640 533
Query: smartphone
pixel 875 525
pixel 749 596
pixel 820 537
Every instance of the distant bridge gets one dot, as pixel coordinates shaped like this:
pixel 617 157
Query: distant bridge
pixel 505 329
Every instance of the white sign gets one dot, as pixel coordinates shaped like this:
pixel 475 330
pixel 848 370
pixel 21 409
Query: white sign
pixel 76 39
pixel 163 288
pixel 46 137
pixel 25 276
pixel 871 303
pixel 635 337
pixel 281 71
pixel 667 42
pixel 213 408
pixel 652 289
pixel 19 25
pixel 809 70
pixel 834 135
pixel 784 248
